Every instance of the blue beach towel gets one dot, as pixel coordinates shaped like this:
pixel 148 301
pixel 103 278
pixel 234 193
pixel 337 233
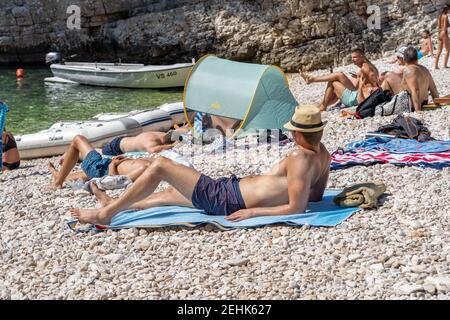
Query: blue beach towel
pixel 3 110
pixel 397 146
pixel 321 214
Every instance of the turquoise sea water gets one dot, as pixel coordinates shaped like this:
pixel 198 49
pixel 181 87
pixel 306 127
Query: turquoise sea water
pixel 35 105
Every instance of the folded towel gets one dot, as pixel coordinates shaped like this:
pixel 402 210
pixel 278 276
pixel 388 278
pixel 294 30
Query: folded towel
pixel 109 183
pixel 364 195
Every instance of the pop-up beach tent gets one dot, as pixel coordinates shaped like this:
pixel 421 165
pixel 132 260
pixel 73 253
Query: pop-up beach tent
pixel 258 95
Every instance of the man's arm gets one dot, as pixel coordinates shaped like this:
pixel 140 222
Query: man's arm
pixel 299 177
pixel 368 75
pixel 160 148
pixel 112 168
pixel 413 85
pixel 433 88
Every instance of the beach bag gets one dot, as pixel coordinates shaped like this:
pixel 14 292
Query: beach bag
pixel 366 108
pixel 399 104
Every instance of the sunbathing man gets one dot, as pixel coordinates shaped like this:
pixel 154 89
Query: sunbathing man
pixel 296 180
pixel 417 80
pixel 151 142
pixel 349 92
pixel 94 165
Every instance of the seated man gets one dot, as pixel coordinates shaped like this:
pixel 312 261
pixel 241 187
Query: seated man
pixel 416 80
pixel 400 60
pixel 340 87
pixel 10 154
pixel 94 165
pixel 300 178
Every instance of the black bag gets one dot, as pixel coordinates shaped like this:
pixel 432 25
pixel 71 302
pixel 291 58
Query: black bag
pixel 366 108
pixel 407 128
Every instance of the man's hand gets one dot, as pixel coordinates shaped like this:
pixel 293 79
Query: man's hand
pixel 118 160
pixel 240 215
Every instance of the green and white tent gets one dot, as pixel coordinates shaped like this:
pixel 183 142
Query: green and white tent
pixel 258 95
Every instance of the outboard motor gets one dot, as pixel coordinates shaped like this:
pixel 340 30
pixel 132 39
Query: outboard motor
pixel 52 57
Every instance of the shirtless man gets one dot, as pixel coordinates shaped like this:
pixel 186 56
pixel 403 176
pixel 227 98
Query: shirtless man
pixel 350 92
pixel 427 45
pixel 94 165
pixel 400 60
pixel 298 179
pixel 444 41
pixel 417 80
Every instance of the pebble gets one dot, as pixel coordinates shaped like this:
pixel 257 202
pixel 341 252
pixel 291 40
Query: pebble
pixel 237 262
pixel 407 289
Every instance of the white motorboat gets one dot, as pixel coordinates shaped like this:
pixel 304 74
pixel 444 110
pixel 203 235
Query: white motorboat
pixel 99 130
pixel 120 75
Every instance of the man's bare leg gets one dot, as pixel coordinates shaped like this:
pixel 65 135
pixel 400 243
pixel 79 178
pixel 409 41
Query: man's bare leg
pixel 182 178
pixel 330 97
pixel 168 197
pixel 334 77
pixel 79 146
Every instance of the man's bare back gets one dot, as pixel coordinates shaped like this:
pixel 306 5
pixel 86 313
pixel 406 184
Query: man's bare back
pixel 145 142
pixel 423 79
pixel 272 190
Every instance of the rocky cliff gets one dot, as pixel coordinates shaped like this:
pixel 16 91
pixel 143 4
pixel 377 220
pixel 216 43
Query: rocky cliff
pixel 288 33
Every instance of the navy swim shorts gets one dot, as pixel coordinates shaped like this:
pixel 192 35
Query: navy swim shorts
pixel 220 197
pixel 113 148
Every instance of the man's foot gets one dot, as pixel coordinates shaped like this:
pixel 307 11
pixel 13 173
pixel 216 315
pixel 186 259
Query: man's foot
pixel 101 196
pixel 308 79
pixel 92 216
pixel 55 175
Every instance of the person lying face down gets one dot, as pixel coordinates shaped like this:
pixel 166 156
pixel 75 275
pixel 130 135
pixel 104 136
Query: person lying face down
pixel 151 142
pixel 298 179
pixel 94 165
pixel 416 79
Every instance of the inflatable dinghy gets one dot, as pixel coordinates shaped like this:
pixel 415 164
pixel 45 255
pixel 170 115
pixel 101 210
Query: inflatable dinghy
pixel 100 130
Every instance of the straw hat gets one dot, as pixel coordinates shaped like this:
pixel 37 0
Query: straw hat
pixel 307 118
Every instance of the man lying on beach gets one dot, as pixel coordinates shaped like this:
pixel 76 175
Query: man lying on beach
pixel 151 142
pixel 417 80
pixel 350 92
pixel 94 165
pixel 295 181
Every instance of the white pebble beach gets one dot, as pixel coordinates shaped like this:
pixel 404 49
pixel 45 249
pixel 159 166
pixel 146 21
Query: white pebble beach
pixel 399 251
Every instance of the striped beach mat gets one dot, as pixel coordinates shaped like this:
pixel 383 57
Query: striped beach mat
pixel 342 160
pixel 321 214
pixel 399 152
